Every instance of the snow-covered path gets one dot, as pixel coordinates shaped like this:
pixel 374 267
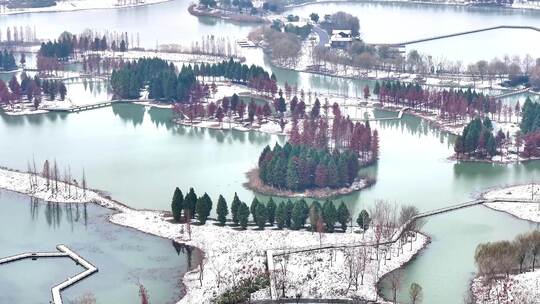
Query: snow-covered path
pixel 231 254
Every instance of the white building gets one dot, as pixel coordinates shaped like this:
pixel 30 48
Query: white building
pixel 341 39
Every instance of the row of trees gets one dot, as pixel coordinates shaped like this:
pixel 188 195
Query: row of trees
pixel 18 34
pixel 300 167
pixel 286 214
pixel 31 89
pixel 233 70
pixel 67 43
pixel 497 260
pixel 165 84
pixel 454 105
pixel 219 110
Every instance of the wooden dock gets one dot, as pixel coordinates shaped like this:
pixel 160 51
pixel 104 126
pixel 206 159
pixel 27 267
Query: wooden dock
pixel 63 252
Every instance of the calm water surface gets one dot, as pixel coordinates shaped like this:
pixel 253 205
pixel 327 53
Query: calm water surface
pixel 123 256
pixel 412 170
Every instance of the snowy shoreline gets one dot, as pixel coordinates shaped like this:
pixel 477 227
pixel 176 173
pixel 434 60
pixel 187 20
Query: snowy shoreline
pixel 516 288
pixel 78 5
pixel 241 256
pixel 525 211
pixel 254 183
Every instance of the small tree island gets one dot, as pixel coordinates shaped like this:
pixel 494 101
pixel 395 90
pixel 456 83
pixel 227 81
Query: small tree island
pixel 307 165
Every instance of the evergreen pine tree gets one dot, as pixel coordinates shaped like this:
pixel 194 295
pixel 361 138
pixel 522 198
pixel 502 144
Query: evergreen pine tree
pixel 314 214
pixel 297 216
pixel 222 210
pixel 288 213
pixel 262 215
pixel 253 208
pixel 203 208
pixel 190 201
pixel 363 220
pixel 329 215
pixel 343 215
pixel 293 174
pixel 271 208
pixel 280 215
pixel 235 207
pixel 243 215
pixel 177 204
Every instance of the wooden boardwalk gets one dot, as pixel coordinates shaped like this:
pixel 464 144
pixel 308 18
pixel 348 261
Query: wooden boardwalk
pixel 400 116
pixel 82 107
pixel 63 252
pixel 508 94
pixel 396 236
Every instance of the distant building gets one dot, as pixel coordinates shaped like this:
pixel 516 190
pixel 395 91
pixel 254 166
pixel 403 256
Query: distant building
pixel 341 39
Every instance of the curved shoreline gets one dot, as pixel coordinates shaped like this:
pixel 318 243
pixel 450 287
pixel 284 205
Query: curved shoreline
pixel 516 210
pixel 249 246
pixel 45 10
pixel 403 266
pixel 254 184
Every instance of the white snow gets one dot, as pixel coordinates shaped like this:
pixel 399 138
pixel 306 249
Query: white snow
pixel 77 5
pixel 232 254
pixel 520 288
pixel 526 211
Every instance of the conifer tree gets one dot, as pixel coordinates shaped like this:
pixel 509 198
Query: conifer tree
pixel 262 215
pixel 235 207
pixel 297 216
pixel 243 215
pixel 288 213
pixel 329 215
pixel 177 204
pixel 363 220
pixel 222 210
pixel 190 201
pixel 203 208
pixel 343 215
pixel 314 214
pixel 280 215
pixel 271 208
pixel 253 208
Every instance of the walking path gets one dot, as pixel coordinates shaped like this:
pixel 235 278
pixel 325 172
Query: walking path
pixel 396 236
pixel 63 252
pixel 404 43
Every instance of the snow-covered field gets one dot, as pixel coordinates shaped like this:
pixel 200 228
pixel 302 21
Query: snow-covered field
pixel 231 254
pixel 526 211
pixel 516 289
pixel 77 5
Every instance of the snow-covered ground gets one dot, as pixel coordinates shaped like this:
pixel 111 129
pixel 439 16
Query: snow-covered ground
pixel 519 288
pixel 178 58
pixel 77 5
pixel 306 63
pixel 231 254
pixel 526 211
